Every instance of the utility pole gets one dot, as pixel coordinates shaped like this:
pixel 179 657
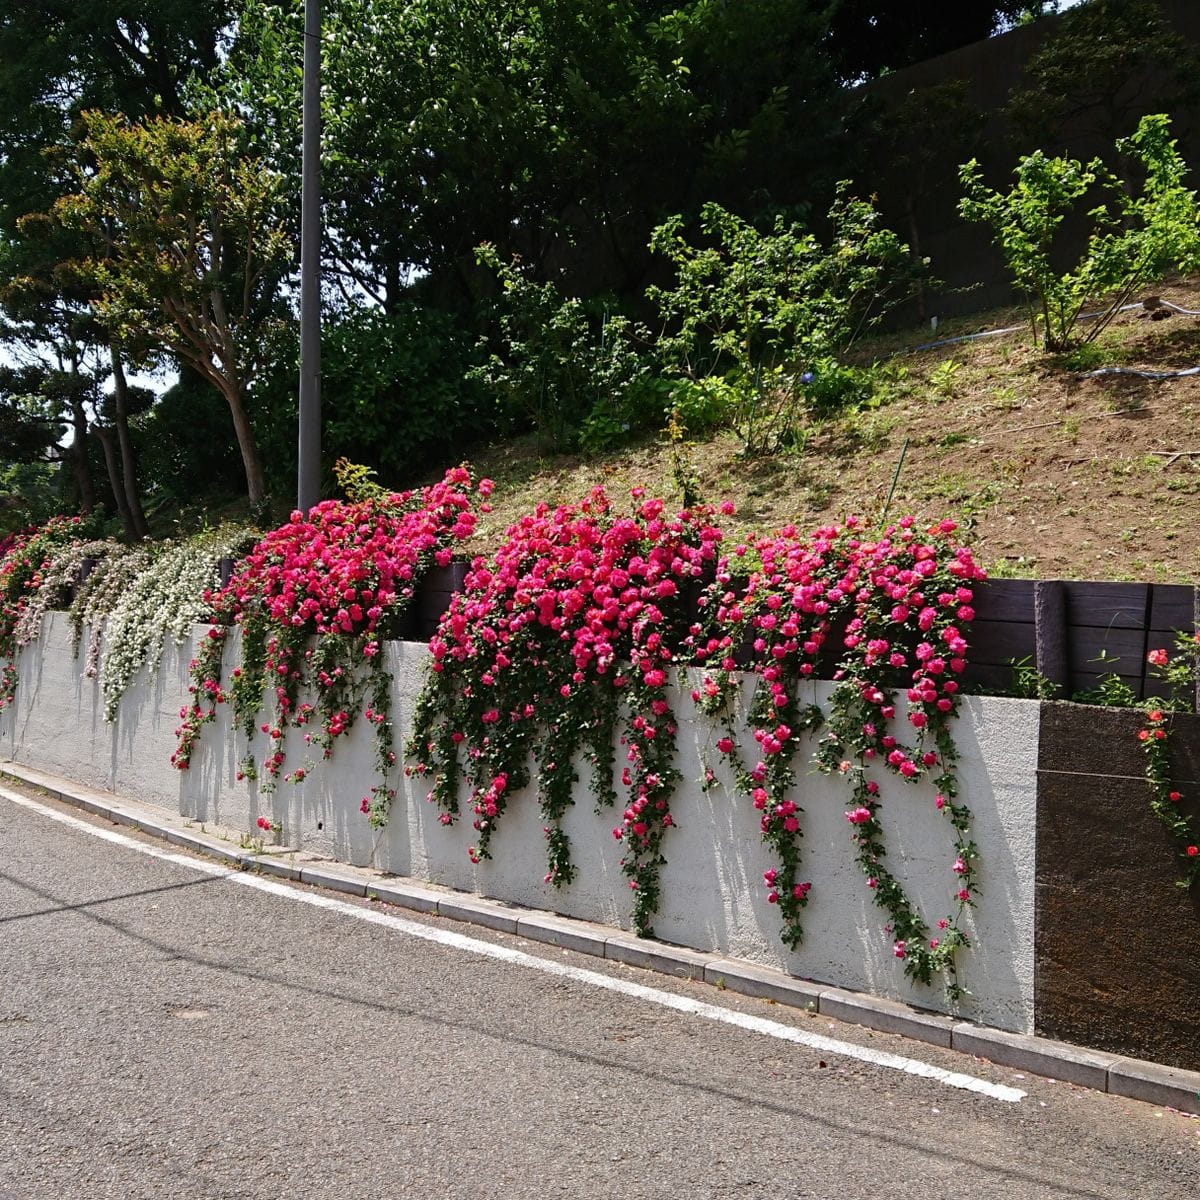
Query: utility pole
pixel 308 478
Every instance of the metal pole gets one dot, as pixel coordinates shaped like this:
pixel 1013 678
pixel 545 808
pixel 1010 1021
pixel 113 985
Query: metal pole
pixel 895 479
pixel 308 480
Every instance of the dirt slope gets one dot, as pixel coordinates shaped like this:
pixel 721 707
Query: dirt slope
pixel 1060 476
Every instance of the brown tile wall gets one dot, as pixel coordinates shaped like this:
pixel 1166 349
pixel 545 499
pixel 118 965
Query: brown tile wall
pixel 1117 942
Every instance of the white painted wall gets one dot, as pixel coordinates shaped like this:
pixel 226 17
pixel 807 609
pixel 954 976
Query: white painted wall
pixel 712 896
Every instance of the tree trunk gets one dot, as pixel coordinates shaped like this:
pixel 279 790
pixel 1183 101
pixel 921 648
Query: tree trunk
pixel 128 471
pixel 392 290
pixel 227 377
pixel 108 442
pixel 256 487
pixel 78 455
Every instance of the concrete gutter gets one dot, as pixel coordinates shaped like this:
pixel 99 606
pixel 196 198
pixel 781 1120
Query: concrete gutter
pixel 1150 1082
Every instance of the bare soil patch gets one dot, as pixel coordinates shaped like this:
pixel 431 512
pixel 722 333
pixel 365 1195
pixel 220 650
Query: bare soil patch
pixel 1056 475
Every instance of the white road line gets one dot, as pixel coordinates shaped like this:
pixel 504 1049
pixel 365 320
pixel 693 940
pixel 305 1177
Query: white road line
pixel 458 941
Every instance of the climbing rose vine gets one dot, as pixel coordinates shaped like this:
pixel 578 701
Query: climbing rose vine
pixel 1178 669
pixel 26 565
pixel 560 642
pixel 884 615
pixel 131 597
pixel 315 600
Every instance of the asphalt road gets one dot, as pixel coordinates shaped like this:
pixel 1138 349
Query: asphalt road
pixel 165 1032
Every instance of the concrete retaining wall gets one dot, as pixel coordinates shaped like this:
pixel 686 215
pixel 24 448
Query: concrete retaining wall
pixel 712 896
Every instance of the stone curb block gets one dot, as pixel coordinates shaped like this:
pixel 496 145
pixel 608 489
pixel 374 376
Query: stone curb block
pixel 194 841
pixel 1155 1084
pixel 278 868
pixel 679 961
pixel 888 1016
pixel 223 853
pixel 559 931
pixel 414 898
pixel 183 840
pixel 478 912
pixel 762 983
pixel 1038 1056
pixel 1148 1082
pixel 317 877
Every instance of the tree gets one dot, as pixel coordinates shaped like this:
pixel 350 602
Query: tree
pixel 190 253
pixel 1106 64
pixel 50 337
pixel 56 60
pixel 30 423
pixel 867 39
pixel 560 132
pixel 59 58
pixel 449 124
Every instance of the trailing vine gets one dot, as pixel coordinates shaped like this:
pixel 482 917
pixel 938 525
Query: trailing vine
pixel 165 599
pixel 775 623
pixel 1166 800
pixel 314 600
pixel 899 603
pixel 98 594
pixel 28 556
pixel 53 585
pixel 562 640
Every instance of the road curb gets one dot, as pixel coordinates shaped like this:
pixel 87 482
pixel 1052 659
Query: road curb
pixel 1152 1083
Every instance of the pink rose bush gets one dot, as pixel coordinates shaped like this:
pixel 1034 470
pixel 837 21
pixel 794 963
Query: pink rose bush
pixel 883 614
pixel 565 636
pixel 314 600
pixel 25 558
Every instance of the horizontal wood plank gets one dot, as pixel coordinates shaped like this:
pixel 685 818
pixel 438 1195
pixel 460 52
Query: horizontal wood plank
pixel 1171 608
pixel 988 677
pixel 1005 600
pixel 999 642
pixel 1107 605
pixel 1085 647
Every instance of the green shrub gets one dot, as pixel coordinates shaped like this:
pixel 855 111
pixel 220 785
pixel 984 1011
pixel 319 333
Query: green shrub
pixel 1137 235
pixel 700 406
pixel 773 315
pixel 562 368
pixel 396 394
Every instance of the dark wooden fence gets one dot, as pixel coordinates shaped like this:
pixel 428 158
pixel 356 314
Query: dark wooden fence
pixel 1072 633
pixel 1075 633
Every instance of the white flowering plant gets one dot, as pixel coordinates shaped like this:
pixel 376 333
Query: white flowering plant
pixel 98 594
pixel 164 600
pixel 25 557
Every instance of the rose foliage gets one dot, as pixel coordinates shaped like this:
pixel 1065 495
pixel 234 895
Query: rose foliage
pixel 1179 669
pixel 555 646
pixel 27 559
pixel 131 598
pixel 562 645
pixel 885 615
pixel 314 601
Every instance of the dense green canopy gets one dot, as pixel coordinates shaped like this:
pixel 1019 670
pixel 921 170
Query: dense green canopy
pixel 559 134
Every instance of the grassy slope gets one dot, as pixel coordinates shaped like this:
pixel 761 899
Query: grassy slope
pixel 1056 473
